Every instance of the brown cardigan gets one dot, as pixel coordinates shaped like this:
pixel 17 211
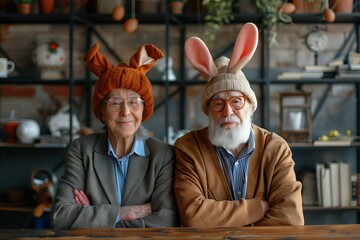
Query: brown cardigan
pixel 204 198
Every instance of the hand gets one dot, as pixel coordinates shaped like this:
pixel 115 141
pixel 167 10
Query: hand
pixel 81 198
pixel 129 213
pixel 265 206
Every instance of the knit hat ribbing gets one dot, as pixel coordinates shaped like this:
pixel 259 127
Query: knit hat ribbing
pixel 225 81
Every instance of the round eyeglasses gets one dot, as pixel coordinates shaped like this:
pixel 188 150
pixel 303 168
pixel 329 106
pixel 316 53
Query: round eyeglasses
pixel 236 103
pixel 133 103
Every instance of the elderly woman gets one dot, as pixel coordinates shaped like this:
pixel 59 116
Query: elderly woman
pixel 120 177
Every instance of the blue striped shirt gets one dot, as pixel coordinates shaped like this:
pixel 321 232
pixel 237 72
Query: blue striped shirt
pixel 237 168
pixel 121 166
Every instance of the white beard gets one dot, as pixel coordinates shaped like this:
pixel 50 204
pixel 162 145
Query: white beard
pixel 230 138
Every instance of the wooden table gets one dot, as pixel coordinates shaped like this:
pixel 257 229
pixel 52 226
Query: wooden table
pixel 351 231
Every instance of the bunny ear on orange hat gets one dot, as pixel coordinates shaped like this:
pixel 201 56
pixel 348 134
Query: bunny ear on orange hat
pixel 145 58
pixel 96 62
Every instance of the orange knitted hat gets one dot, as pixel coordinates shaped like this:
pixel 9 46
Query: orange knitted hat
pixel 123 76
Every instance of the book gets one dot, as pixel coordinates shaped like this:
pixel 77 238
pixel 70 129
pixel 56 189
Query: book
pixel 309 194
pixel 320 68
pixel 325 186
pixel 354 58
pixel 335 186
pixel 336 62
pixel 299 75
pixel 354 190
pixel 348 71
pixel 345 187
pixel 319 166
pixel 358 189
pixel 332 143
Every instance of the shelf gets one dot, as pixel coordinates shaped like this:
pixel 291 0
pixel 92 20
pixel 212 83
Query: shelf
pixel 318 81
pixel 311 145
pixel 35 145
pixel 159 18
pixel 29 80
pixel 11 208
pixel 319 208
pixel 168 19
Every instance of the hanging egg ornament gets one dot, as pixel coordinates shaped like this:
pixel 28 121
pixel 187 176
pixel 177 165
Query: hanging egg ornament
pixel 288 8
pixel 329 15
pixel 131 25
pixel 118 13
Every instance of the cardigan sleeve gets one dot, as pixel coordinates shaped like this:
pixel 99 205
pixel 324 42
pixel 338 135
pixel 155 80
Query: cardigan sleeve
pixel 283 190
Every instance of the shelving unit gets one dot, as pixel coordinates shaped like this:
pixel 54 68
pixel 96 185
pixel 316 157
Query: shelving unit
pixel 264 81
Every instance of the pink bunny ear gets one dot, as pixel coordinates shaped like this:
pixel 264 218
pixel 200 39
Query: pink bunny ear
pixel 200 58
pixel 244 49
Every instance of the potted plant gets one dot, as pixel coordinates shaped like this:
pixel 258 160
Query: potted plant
pixel 47 6
pixel 274 11
pixel 309 6
pixel 218 13
pixel 177 6
pixel 24 6
pixel 343 6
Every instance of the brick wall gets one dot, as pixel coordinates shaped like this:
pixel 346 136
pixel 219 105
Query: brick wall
pixel 19 41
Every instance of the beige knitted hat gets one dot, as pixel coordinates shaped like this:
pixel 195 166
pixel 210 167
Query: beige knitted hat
pixel 224 74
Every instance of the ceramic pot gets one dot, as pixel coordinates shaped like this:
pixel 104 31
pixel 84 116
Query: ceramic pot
pixel 147 6
pixel 176 7
pixel 302 6
pixel 342 6
pixel 47 6
pixel 24 8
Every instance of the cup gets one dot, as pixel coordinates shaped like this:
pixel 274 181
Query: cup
pixel 10 131
pixel 6 67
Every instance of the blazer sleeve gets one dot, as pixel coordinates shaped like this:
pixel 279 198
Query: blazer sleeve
pixel 65 213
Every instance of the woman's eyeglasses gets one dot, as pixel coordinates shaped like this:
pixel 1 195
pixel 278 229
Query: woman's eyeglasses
pixel 236 103
pixel 115 104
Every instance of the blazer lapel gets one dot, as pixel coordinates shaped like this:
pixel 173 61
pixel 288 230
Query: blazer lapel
pixel 104 168
pixel 137 169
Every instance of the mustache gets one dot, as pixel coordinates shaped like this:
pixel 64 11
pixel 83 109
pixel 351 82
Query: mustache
pixel 230 119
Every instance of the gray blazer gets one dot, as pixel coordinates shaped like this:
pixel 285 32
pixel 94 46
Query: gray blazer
pixel 90 168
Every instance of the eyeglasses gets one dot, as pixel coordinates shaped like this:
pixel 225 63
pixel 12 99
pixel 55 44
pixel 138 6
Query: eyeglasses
pixel 115 104
pixel 218 104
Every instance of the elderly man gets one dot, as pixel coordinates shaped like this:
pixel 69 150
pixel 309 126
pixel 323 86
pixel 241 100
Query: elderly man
pixel 233 173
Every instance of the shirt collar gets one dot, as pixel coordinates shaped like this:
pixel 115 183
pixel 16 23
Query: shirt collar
pixel 138 148
pixel 251 145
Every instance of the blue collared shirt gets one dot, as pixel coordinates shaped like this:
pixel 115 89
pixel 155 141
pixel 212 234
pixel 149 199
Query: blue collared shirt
pixel 237 167
pixel 121 165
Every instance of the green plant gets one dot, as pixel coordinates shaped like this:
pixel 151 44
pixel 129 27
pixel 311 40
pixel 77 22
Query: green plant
pixel 272 15
pixel 218 13
pixel 24 1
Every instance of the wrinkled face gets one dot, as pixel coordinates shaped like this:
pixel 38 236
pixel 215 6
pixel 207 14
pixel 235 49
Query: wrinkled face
pixel 229 119
pixel 122 112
